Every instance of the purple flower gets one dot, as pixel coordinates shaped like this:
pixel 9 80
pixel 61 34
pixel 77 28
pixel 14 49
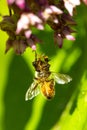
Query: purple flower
pixel 70 5
pixel 58 39
pixel 67 33
pixel 50 11
pixel 27 20
pixel 19 3
pixel 27 14
pixel 85 1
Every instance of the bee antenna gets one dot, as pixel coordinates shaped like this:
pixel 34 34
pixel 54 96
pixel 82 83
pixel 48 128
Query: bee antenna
pixel 10 12
pixel 35 56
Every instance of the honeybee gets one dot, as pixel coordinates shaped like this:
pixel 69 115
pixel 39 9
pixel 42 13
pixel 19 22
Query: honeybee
pixel 44 80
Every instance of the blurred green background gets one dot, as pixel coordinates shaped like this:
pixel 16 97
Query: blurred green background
pixel 68 109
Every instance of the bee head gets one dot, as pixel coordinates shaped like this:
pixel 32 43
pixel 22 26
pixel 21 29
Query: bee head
pixel 46 59
pixel 41 63
pixel 37 65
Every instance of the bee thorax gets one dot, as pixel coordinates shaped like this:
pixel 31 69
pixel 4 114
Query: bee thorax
pixel 42 74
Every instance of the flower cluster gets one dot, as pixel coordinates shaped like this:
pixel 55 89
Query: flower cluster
pixel 26 14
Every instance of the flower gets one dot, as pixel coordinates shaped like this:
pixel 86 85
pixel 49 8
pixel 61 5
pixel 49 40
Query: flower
pixel 20 3
pixel 25 15
pixel 19 46
pixel 70 5
pixel 85 1
pixel 27 20
pixel 50 11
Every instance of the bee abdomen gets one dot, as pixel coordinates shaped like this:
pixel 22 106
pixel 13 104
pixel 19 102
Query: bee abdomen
pixel 50 96
pixel 48 89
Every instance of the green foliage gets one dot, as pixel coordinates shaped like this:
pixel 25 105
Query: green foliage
pixel 68 109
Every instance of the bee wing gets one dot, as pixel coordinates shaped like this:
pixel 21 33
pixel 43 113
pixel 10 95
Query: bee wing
pixel 61 78
pixel 32 91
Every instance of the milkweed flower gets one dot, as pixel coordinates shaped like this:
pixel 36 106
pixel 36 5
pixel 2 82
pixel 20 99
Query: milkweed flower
pixel 25 15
